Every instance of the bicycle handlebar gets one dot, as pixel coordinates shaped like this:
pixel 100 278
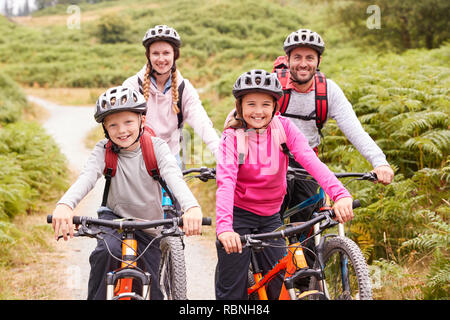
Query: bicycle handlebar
pixel 371 176
pixel 129 224
pixel 205 173
pixel 289 231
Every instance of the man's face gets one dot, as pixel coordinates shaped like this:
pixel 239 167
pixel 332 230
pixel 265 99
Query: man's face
pixel 303 63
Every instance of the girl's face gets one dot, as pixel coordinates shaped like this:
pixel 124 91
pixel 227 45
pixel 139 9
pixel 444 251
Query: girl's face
pixel 257 109
pixel 161 56
pixel 123 128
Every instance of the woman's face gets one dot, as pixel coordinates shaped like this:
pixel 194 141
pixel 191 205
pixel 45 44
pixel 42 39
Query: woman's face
pixel 257 109
pixel 161 56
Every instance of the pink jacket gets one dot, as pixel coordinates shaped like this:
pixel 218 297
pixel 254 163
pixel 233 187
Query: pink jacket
pixel 259 184
pixel 164 122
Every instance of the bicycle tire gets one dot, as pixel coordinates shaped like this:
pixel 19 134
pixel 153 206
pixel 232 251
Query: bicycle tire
pixel 172 269
pixel 338 251
pixel 251 283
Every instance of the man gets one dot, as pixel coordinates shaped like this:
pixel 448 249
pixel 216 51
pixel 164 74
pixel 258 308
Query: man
pixel 304 50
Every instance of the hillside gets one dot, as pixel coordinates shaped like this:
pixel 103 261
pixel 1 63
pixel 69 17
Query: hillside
pixel 402 99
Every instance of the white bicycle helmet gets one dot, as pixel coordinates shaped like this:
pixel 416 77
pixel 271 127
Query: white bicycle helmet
pixel 304 38
pixel 118 99
pixel 161 33
pixel 257 80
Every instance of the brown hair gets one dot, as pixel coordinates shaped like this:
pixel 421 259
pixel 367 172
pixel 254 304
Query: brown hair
pixel 236 121
pixel 174 88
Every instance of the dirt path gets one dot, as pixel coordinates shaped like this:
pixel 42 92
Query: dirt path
pixel 69 126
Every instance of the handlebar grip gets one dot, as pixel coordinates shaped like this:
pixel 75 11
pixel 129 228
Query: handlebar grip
pixel 76 219
pixel 356 203
pixel 206 221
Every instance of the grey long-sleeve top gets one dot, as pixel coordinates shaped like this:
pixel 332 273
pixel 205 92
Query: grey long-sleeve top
pixel 133 192
pixel 339 109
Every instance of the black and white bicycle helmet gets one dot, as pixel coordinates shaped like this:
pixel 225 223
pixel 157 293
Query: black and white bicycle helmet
pixel 304 38
pixel 257 80
pixel 118 99
pixel 161 33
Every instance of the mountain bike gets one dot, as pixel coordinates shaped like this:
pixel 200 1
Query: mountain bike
pixel 342 261
pixel 119 283
pixel 338 270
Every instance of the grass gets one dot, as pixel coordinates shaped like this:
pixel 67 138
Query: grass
pixel 67 96
pixel 34 270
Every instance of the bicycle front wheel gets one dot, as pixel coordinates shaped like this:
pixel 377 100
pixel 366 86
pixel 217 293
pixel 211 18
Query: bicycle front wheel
pixel 172 269
pixel 346 276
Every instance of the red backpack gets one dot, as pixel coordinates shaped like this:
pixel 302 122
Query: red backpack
pixel 320 113
pixel 149 159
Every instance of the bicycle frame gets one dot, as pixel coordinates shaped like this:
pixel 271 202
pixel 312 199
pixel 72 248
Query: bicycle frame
pixel 125 275
pixel 294 253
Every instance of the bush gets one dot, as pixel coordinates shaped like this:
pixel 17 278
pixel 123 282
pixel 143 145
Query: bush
pixel 113 28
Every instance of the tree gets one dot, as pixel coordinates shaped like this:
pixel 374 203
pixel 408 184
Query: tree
pixel 405 24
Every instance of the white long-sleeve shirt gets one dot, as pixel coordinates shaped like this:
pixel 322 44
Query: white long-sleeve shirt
pixel 339 109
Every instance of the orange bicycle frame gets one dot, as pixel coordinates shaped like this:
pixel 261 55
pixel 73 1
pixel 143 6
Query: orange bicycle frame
pixel 290 263
pixel 129 250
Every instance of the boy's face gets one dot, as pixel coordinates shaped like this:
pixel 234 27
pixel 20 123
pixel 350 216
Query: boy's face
pixel 123 128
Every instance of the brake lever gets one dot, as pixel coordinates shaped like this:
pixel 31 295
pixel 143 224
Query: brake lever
pixel 84 231
pixel 257 245
pixel 371 176
pixel 174 230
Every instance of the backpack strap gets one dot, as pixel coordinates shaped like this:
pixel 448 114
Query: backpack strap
pixel 180 95
pixel 283 77
pixel 241 144
pixel 276 124
pixel 140 85
pixel 110 169
pixel 321 100
pixel 149 152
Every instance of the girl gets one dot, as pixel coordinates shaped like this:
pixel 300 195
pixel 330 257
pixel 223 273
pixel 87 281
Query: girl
pixel 252 183
pixel 160 83
pixel 132 193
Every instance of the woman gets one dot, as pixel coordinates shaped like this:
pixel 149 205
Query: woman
pixel 171 99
